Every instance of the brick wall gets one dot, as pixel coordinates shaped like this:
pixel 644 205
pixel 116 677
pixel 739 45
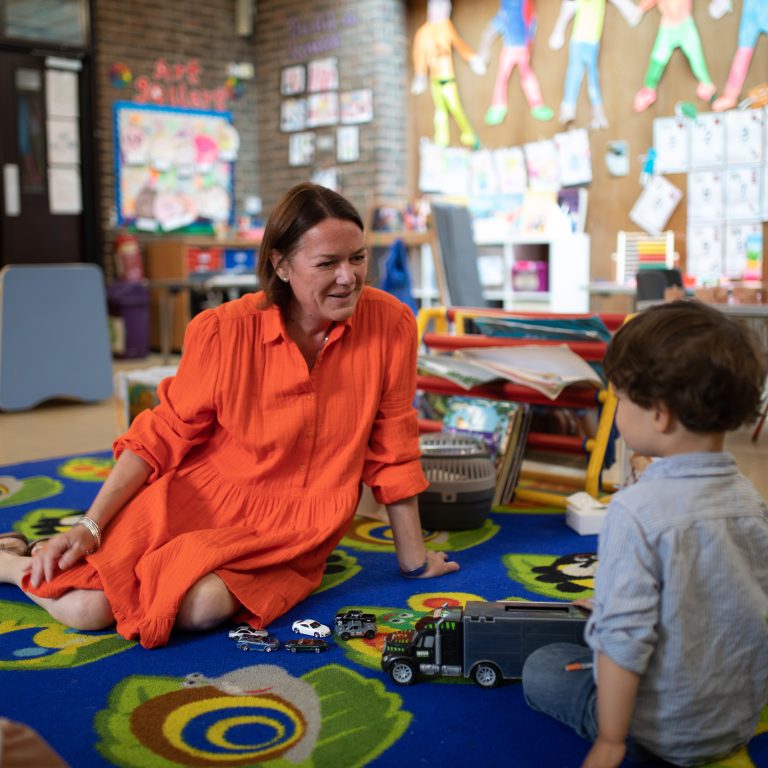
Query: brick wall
pixel 368 38
pixel 137 33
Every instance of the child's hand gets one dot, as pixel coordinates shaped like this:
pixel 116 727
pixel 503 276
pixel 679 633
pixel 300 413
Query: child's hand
pixel 586 604
pixel 604 754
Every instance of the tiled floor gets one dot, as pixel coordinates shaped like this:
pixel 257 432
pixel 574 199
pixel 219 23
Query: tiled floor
pixel 65 428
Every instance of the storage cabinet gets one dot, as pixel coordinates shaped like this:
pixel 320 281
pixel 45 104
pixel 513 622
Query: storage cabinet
pixel 177 262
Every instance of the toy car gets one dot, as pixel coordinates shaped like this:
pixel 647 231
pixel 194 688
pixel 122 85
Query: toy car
pixel 306 644
pixel 267 643
pixel 310 627
pixel 354 623
pixel 244 632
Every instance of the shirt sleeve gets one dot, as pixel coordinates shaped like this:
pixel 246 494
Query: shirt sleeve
pixel 392 468
pixel 187 410
pixel 623 624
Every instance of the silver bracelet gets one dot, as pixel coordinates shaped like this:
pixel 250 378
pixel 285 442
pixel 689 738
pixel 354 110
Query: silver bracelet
pixel 416 572
pixel 93 528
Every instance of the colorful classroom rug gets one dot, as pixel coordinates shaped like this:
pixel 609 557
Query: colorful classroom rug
pixel 100 700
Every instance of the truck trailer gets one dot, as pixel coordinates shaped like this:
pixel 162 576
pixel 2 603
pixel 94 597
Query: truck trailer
pixel 485 641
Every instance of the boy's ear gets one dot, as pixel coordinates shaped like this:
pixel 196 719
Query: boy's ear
pixel 662 418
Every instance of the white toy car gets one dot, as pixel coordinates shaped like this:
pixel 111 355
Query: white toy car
pixel 310 627
pixel 244 632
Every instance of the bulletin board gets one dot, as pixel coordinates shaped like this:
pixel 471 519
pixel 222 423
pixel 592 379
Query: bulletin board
pixel 174 168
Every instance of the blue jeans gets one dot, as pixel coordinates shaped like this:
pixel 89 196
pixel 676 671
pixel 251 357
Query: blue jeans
pixel 571 697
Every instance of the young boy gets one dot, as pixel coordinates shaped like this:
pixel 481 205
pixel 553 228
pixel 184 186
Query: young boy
pixel 679 623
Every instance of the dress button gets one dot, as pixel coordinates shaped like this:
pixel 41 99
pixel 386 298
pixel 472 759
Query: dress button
pixel 310 396
pixel 302 467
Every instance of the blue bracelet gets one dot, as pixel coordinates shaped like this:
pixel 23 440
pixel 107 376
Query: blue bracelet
pixel 416 572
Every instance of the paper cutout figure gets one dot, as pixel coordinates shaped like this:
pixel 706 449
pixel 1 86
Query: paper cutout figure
pixel 677 29
pixel 515 22
pixel 433 46
pixel 753 23
pixel 583 52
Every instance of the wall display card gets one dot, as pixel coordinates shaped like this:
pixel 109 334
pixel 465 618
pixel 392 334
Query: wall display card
pixel 704 258
pixel 511 171
pixel 293 115
pixel 742 193
pixel 323 75
pixel 174 168
pixel 655 205
pixel 739 240
pixel 443 170
pixel 744 136
pixel 542 165
pixel 671 140
pixel 64 196
pixel 765 194
pixel 707 133
pixel 484 183
pixel 61 93
pixel 356 106
pixel 63 136
pixel 301 148
pixel 293 80
pixel 322 109
pixel 574 156
pixel 348 144
pixel 706 196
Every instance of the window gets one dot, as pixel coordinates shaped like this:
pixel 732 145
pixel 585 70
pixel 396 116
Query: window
pixel 64 22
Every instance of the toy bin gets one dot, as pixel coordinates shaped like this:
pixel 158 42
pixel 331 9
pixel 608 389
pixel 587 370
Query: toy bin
pixel 461 479
pixel 128 305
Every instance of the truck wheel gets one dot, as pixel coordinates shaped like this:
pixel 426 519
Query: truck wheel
pixel 345 635
pixel 243 647
pixel 402 673
pixel 486 675
pixel 370 634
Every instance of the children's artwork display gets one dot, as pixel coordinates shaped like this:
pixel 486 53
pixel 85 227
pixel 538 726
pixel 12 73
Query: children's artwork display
pixel 433 46
pixel 588 17
pixel 677 29
pixel 752 24
pixel 174 167
pixel 515 23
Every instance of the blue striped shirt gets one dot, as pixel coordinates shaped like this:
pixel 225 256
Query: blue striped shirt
pixel 681 598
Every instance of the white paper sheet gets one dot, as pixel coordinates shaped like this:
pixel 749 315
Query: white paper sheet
pixel 706 196
pixel 671 140
pixel 744 136
pixel 61 93
pixel 64 191
pixel 655 205
pixel 742 193
pixel 704 258
pixel 707 134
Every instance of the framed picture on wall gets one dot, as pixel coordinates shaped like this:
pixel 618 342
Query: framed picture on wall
pixel 348 144
pixel 323 75
pixel 293 115
pixel 356 106
pixel 301 148
pixel 322 109
pixel 293 80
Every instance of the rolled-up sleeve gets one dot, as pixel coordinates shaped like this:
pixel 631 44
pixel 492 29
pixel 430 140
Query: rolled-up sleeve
pixel 392 468
pixel 187 409
pixel 624 622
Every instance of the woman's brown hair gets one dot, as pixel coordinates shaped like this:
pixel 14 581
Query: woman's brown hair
pixel 301 208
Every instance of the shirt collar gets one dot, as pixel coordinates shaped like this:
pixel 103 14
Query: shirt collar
pixel 692 464
pixel 274 326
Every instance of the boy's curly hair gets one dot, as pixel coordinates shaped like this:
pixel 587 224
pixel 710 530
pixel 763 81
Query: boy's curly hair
pixel 708 369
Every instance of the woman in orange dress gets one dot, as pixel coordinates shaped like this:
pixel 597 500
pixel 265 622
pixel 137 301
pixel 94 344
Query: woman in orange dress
pixel 227 498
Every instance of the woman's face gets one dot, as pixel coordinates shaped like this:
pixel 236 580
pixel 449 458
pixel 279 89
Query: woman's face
pixel 327 271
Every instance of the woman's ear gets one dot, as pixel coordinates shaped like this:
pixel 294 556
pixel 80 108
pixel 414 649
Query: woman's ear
pixel 277 259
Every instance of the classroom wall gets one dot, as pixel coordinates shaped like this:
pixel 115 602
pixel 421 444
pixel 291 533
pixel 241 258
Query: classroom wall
pixel 135 36
pixel 367 37
pixel 623 60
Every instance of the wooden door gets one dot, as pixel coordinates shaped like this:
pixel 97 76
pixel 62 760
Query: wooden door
pixel 41 180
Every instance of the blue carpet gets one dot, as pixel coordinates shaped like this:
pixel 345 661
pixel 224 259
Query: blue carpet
pixel 99 700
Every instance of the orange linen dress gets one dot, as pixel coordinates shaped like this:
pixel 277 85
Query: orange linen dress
pixel 257 463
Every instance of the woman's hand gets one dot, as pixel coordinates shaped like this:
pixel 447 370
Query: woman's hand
pixel 60 552
pixel 438 564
